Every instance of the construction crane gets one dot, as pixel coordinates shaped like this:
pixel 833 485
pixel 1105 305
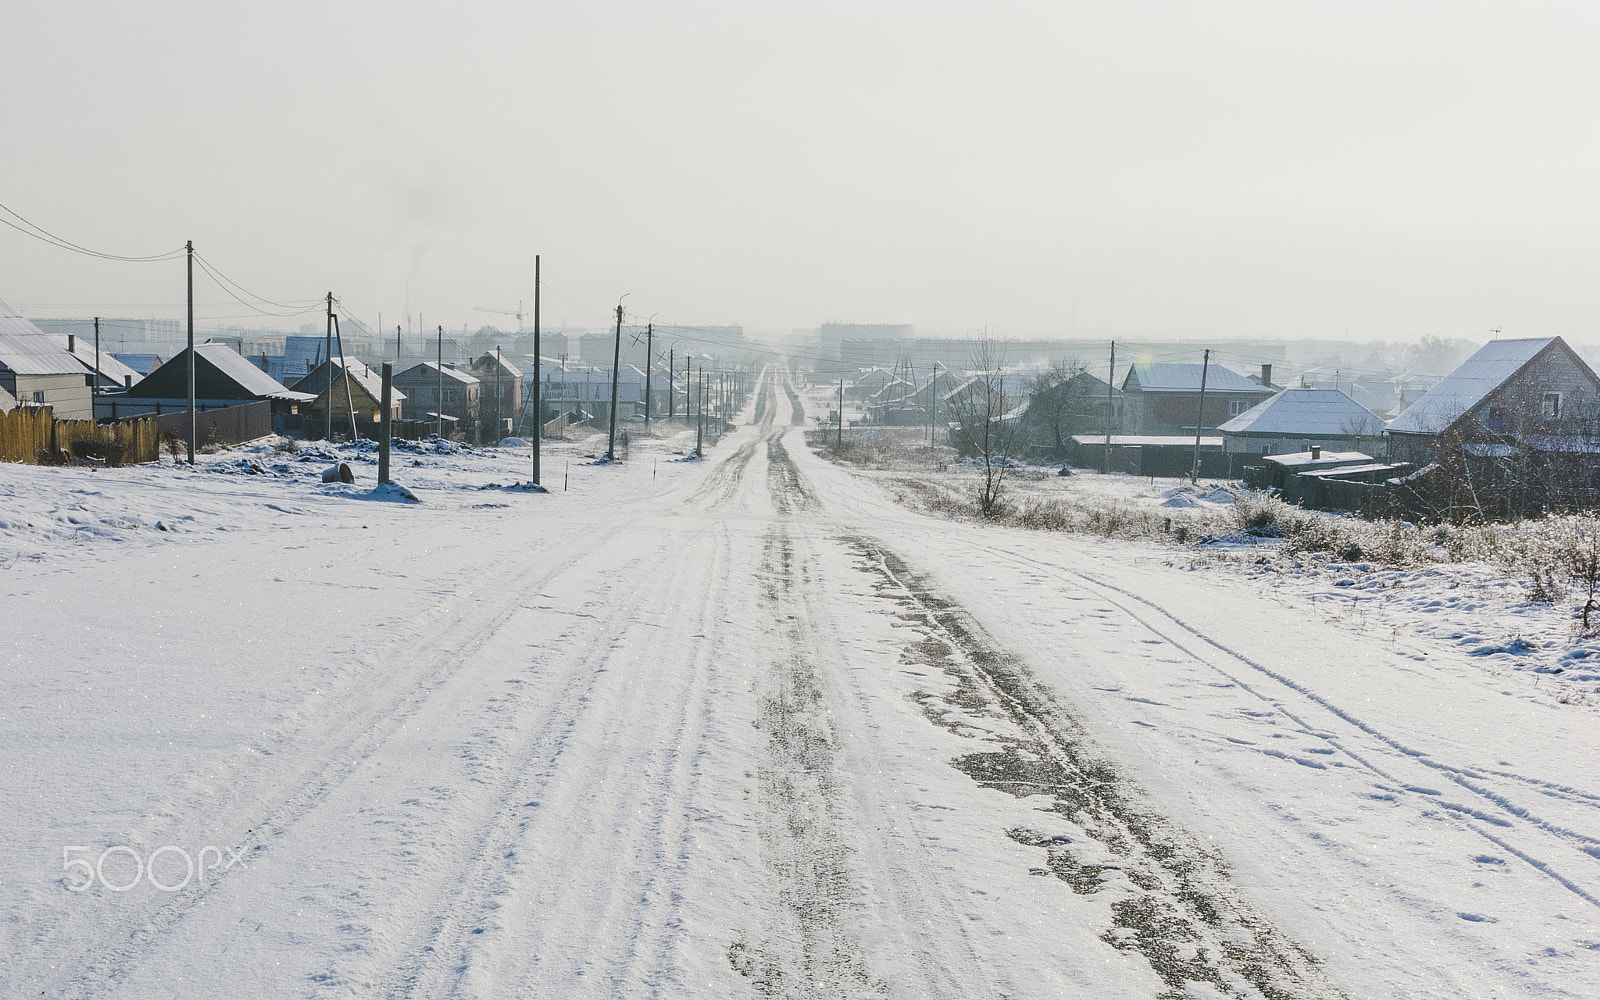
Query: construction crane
pixel 517 312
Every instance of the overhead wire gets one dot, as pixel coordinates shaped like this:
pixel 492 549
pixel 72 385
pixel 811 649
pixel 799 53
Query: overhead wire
pixel 44 235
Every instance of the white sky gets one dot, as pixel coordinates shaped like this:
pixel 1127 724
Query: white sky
pixel 1269 169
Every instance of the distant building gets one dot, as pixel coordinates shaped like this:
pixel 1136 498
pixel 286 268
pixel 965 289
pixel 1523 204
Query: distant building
pixel 509 382
pixel 365 397
pixel 1165 398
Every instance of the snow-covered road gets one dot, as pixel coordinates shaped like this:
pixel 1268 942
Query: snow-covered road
pixel 744 728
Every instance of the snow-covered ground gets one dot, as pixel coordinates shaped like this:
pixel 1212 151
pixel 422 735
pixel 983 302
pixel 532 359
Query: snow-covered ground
pixel 742 727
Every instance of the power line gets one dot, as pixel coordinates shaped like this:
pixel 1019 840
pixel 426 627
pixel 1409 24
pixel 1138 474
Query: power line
pixel 45 236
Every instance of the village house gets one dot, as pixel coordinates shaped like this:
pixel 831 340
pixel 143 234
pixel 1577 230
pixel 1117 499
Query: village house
pixel 1164 399
pixel 222 378
pixel 433 392
pixel 494 370
pixel 1296 420
pixel 365 399
pixel 1514 431
pixel 1078 404
pixel 36 370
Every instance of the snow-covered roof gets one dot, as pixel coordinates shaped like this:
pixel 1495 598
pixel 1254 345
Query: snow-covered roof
pixel 316 380
pixel 1306 412
pixel 488 360
pixel 249 377
pixel 110 367
pixel 27 350
pixel 1468 385
pixel 432 368
pixel 1301 459
pixel 8 402
pixel 1186 378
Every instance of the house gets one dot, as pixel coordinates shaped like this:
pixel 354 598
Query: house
pixel 37 370
pixel 495 370
pixel 1510 399
pixel 432 390
pixel 365 399
pixel 1295 420
pixel 222 378
pixel 1165 398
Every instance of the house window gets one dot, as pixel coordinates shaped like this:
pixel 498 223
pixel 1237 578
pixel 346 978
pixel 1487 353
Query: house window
pixel 1237 406
pixel 1550 409
pixel 38 396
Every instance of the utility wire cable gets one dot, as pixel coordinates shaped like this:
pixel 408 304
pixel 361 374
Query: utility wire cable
pixel 45 236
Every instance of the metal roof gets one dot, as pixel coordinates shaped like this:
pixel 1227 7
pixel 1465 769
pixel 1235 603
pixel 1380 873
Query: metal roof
pixel 1307 412
pixel 110 366
pixel 1468 385
pixel 1186 378
pixel 27 350
pixel 316 380
pixel 1326 459
pixel 248 376
pixel 431 368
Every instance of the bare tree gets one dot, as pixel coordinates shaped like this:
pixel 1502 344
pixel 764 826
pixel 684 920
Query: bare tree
pixel 1059 404
pixel 982 429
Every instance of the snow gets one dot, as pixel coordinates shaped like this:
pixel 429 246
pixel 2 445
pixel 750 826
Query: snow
pixel 750 726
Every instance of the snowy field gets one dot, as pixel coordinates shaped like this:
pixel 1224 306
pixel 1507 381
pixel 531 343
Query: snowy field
pixel 748 727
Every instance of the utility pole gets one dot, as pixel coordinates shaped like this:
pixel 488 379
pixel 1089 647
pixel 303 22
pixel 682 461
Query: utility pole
pixel 384 424
pixel 538 411
pixel 649 335
pixel 672 394
pixel 96 357
pixel 839 440
pixel 438 389
pixel 193 426
pixel 1111 375
pixel 616 366
pixel 1200 418
pixel 700 417
pixel 397 343
pixel 327 360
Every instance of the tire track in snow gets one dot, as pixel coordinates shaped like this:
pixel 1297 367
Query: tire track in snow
pixel 486 937
pixel 1174 900
pixel 1402 756
pixel 368 715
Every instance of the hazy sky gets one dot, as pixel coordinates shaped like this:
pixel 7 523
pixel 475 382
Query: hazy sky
pixel 1231 169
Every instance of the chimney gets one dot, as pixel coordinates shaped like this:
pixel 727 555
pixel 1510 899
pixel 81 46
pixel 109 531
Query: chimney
pixel 72 343
pixel 127 381
pixel 1316 452
pixel 1266 376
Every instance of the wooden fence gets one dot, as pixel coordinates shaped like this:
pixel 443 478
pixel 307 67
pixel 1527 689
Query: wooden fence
pixel 32 435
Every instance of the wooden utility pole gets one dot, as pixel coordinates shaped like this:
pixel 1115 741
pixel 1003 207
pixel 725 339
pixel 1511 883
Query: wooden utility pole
pixel 649 337
pixel 383 423
pixel 538 410
pixel 616 369
pixel 96 382
pixel 672 394
pixel 438 389
pixel 189 251
pixel 1200 418
pixel 327 359
pixel 839 440
pixel 1111 375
